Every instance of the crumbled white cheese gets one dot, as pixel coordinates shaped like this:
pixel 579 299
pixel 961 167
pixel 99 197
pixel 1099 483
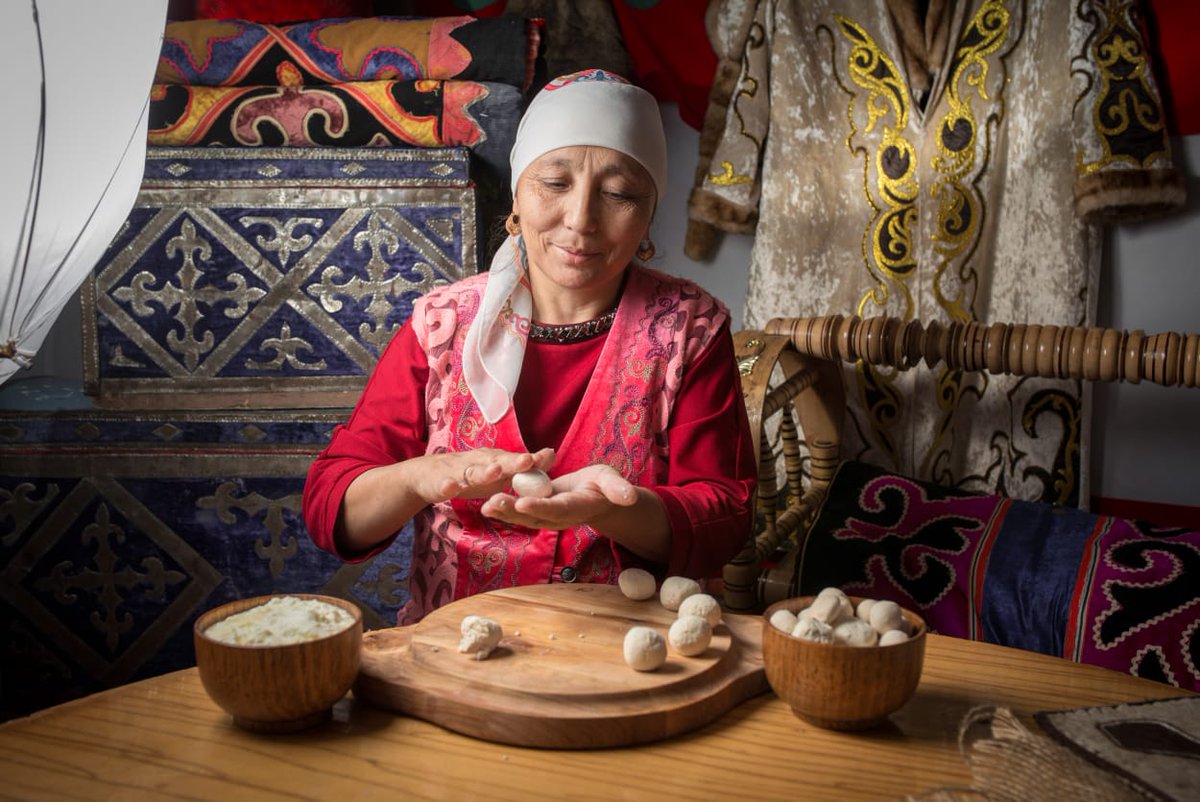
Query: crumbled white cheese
pixel 479 636
pixel 281 621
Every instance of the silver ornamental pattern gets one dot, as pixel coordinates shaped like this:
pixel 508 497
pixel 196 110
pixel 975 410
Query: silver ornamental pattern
pixel 299 295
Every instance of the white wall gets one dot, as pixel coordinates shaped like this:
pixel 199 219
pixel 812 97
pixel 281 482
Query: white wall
pixel 1146 438
pixel 725 275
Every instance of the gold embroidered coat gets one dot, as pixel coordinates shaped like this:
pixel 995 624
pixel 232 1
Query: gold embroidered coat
pixel 955 166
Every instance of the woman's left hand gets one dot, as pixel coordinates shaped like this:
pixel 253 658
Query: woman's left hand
pixel 584 496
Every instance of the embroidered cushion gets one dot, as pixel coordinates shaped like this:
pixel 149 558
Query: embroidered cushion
pixel 239 52
pixel 1091 588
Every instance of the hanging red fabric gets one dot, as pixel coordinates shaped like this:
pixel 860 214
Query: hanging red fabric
pixel 672 57
pixel 280 11
pixel 1174 27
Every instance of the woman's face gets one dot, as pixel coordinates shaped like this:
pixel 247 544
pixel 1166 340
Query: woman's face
pixel 583 212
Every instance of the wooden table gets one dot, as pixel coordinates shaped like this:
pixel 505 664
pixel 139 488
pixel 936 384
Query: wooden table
pixel 163 738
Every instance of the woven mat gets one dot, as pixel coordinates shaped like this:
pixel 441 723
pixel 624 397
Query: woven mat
pixel 1154 745
pixel 1082 758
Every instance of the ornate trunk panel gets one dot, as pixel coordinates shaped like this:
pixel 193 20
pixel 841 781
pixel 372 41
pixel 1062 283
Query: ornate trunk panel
pixel 118 529
pixel 258 277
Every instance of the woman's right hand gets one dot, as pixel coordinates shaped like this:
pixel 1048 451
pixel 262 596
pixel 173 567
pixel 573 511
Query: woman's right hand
pixel 381 500
pixel 480 473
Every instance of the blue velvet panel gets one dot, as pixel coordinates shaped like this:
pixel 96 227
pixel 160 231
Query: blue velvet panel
pixel 271 278
pixel 1031 576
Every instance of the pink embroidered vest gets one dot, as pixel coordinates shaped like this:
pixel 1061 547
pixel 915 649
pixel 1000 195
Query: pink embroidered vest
pixel 662 323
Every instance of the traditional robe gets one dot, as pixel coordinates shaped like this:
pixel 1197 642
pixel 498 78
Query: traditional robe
pixel 953 166
pixel 662 406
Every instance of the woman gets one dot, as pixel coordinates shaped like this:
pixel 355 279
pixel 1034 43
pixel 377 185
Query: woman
pixel 566 356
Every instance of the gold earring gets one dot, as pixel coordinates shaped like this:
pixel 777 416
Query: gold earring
pixel 645 251
pixel 513 224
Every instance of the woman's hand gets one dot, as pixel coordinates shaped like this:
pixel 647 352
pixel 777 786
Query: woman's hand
pixel 588 495
pixel 380 501
pixel 481 473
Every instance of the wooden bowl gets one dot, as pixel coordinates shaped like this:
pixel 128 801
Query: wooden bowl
pixel 840 687
pixel 278 688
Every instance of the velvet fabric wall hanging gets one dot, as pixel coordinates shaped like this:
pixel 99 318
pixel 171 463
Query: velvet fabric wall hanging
pixel 333 51
pixel 423 114
pixel 271 276
pixel 280 10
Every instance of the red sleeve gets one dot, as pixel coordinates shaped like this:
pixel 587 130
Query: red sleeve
pixel 386 426
pixel 713 473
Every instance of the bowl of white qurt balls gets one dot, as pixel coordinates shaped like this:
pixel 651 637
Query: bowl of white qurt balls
pixel 842 662
pixel 279 663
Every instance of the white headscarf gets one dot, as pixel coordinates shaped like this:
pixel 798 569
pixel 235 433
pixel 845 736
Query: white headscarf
pixel 593 107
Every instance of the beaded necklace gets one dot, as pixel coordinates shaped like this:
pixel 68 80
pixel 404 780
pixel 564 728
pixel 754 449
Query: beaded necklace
pixel 571 332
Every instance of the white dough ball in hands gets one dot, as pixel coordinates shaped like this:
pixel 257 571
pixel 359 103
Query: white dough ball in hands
pixel 703 605
pixel 784 620
pixel 534 483
pixel 480 636
pixel 675 589
pixel 690 635
pixel 637 584
pixel 855 632
pixel 645 649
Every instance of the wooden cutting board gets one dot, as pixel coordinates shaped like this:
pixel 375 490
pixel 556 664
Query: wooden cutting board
pixel 559 677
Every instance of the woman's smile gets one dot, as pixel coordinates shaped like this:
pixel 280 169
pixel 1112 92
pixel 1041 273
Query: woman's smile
pixel 576 255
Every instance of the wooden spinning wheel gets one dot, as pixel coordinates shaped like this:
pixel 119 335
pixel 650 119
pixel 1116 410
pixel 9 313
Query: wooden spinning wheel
pixel 793 401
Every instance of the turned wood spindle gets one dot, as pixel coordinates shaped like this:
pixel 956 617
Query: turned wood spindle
pixel 1064 352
